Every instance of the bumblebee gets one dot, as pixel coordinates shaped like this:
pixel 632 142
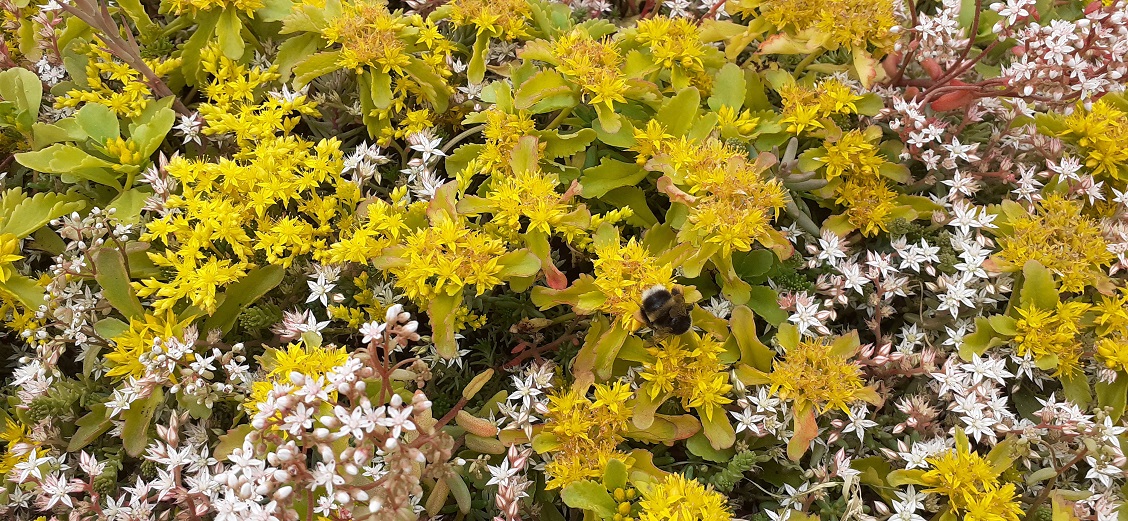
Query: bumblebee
pixel 665 310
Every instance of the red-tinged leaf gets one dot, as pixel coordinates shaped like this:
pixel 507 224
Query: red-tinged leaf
pixel 783 43
pixel 584 362
pixel 676 195
pixel 806 430
pixel 865 66
pixel 520 263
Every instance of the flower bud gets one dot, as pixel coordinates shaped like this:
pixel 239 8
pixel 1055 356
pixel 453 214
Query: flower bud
pixel 283 493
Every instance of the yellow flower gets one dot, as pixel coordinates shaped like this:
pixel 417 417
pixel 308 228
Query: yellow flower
pixel 1051 335
pixel 446 257
pixel 804 107
pixel 1061 238
pixel 137 341
pixel 9 253
pixel 194 7
pixel 277 198
pixel 297 357
pixel 971 484
pixel 309 361
pixel 16 435
pixel 503 131
pixel 852 153
pixel 869 203
pixel 676 498
pixel 729 120
pixel 846 23
pixel 693 373
pixel 675 43
pixel 817 373
pixel 370 36
pixel 194 280
pixel 650 141
pixel 529 202
pixel 381 228
pixel 1113 351
pixel 1100 133
pixel 1112 314
pixel 735 202
pixel 622 273
pixel 115 84
pixel 852 165
pixel 586 433
pixel 503 19
pixel 595 65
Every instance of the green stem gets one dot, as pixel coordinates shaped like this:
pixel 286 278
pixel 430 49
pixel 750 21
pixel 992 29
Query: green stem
pixel 801 218
pixel 465 134
pixel 807 61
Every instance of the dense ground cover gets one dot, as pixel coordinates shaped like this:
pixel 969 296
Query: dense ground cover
pixel 523 259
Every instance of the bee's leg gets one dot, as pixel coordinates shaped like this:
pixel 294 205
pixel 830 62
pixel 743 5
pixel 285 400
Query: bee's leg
pixel 641 317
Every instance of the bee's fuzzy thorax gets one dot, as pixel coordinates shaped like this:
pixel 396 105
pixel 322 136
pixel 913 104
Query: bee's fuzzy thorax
pixel 652 290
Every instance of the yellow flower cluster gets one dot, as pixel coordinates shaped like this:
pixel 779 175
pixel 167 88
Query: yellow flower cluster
pixel 193 7
pixel 505 19
pixel 232 106
pixel 586 432
pixel 622 273
pixel 372 37
pixel 869 203
pixel 133 343
pixel 815 374
pixel 596 66
pixel 675 44
pixel 676 498
pixel 1100 134
pixel 971 484
pixel 9 252
pixel 1113 351
pixel 735 123
pixel 804 107
pixel 384 224
pixel 735 202
pixel 693 373
pixel 230 210
pixel 531 197
pixel 115 84
pixel 834 23
pixel 19 444
pixel 1051 334
pixel 1061 238
pixel 446 257
pixel 1111 323
pixel 502 132
pixel 297 357
pixel 853 167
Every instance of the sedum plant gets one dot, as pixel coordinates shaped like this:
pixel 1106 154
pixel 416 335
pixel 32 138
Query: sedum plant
pixel 770 260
